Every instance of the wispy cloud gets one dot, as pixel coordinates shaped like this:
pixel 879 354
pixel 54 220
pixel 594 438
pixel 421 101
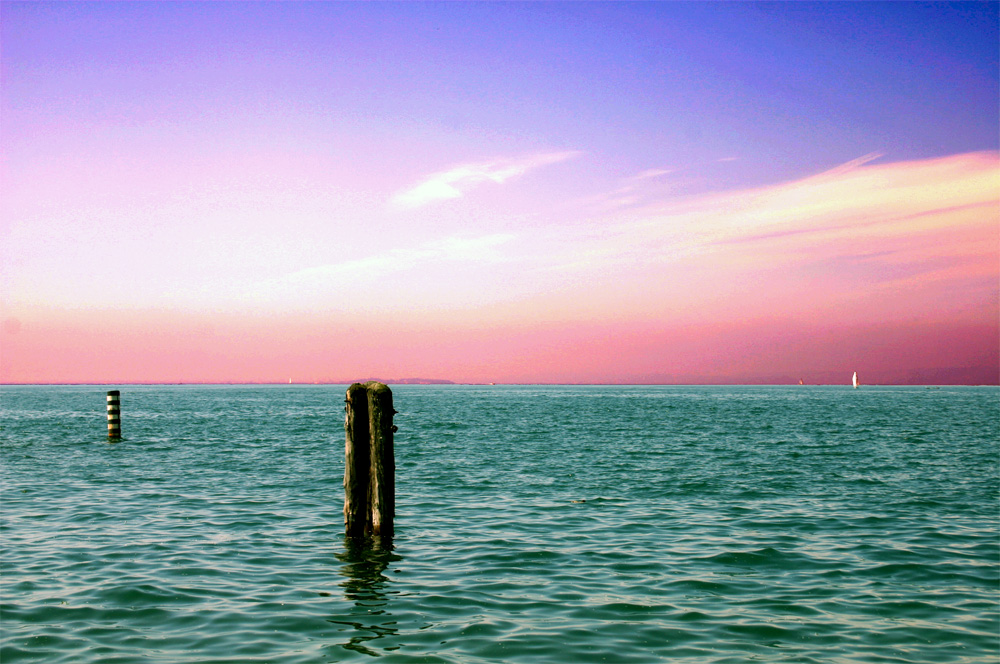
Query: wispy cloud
pixel 318 284
pixel 457 181
pixel 653 173
pixel 476 249
pixel 849 166
pixel 631 191
pixel 926 230
pixel 902 198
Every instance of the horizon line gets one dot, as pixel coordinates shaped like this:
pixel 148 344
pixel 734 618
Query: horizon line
pixel 495 384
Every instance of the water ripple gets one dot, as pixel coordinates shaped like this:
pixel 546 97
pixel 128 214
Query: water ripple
pixel 536 524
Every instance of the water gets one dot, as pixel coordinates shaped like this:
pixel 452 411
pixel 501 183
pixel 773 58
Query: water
pixel 535 524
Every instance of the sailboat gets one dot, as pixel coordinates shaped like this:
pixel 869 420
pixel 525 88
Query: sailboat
pixel 855 380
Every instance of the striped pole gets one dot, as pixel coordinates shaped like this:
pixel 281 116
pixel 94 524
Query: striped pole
pixel 114 415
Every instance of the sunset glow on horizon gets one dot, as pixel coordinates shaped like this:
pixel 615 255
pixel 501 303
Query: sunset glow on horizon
pixel 493 192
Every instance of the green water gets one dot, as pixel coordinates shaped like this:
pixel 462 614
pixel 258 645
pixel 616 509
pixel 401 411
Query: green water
pixel 535 524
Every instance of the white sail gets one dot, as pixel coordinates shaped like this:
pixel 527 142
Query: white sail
pixel 855 380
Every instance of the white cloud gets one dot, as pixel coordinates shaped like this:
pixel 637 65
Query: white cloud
pixel 918 209
pixel 457 181
pixel 653 173
pixel 334 276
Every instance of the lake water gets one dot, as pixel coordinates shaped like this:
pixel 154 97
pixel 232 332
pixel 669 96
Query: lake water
pixel 534 524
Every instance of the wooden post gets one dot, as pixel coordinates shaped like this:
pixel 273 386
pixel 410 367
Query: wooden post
pixel 114 415
pixel 382 493
pixel 369 462
pixel 357 461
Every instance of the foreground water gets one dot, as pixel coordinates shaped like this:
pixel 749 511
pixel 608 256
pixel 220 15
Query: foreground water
pixel 536 524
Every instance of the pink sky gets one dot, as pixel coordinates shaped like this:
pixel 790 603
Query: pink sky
pixel 195 195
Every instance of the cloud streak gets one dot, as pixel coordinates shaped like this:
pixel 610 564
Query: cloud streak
pixel 340 282
pixel 459 180
pixel 855 200
pixel 925 231
pixel 476 249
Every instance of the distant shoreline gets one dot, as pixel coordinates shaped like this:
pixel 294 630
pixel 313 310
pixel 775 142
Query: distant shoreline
pixel 455 384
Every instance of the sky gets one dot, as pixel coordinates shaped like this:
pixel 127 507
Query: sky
pixel 657 192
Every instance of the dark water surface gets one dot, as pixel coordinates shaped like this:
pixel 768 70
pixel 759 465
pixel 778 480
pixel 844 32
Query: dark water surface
pixel 535 524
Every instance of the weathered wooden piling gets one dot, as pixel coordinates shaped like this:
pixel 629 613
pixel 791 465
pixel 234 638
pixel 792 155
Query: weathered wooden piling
pixel 369 461
pixel 357 460
pixel 114 415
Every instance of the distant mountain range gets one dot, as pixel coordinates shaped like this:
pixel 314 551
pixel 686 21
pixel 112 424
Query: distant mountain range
pixel 409 381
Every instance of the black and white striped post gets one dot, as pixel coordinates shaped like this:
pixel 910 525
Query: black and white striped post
pixel 114 415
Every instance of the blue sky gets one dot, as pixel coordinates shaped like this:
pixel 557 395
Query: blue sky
pixel 532 167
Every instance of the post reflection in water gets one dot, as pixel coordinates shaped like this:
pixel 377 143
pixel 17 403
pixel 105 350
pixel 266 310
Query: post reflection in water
pixel 364 562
